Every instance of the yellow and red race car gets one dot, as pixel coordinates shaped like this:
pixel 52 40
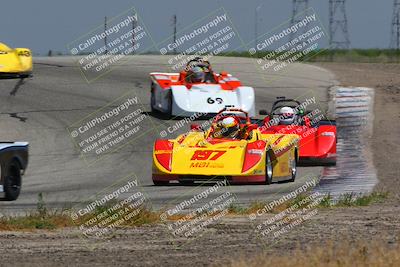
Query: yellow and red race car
pixel 15 63
pixel 242 156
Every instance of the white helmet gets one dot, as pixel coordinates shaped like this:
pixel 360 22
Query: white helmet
pixel 286 115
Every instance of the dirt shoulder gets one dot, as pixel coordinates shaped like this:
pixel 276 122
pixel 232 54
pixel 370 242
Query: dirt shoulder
pixel 235 237
pixel 385 78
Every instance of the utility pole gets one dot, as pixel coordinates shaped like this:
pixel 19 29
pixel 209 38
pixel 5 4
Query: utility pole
pixel 299 7
pixel 105 35
pixel 395 30
pixel 338 33
pixel 256 24
pixel 174 22
pixel 133 34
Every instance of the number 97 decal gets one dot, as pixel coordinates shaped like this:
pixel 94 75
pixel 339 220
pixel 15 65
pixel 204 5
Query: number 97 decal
pixel 217 100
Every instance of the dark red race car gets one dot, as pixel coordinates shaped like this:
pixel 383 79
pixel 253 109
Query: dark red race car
pixel 317 135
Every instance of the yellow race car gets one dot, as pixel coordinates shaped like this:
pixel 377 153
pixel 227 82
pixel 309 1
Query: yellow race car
pixel 232 149
pixel 15 63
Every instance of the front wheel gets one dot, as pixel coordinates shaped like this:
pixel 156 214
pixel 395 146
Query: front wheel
pixel 293 167
pixel 269 170
pixel 12 181
pixel 168 114
pixel 160 183
pixel 186 182
pixel 152 101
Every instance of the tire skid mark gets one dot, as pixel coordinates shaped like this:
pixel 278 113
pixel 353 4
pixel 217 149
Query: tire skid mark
pixel 355 171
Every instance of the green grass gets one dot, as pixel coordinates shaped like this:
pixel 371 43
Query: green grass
pixel 42 218
pixel 327 201
pixel 334 55
pixel 352 199
pixel 372 55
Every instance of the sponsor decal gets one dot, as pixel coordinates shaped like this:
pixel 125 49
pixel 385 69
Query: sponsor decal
pixel 207 154
pixel 206 164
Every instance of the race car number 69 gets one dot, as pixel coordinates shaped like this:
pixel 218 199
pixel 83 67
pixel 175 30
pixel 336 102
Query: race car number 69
pixel 212 101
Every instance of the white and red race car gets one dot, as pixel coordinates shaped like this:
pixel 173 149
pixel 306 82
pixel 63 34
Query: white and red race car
pixel 176 94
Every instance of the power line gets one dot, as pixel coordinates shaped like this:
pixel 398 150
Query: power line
pixel 105 35
pixel 299 12
pixel 174 21
pixel 338 32
pixel 257 9
pixel 133 34
pixel 395 30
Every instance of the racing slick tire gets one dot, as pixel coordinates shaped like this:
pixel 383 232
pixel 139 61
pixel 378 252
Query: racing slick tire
pixel 186 182
pixel 12 180
pixel 168 114
pixel 330 162
pixel 160 183
pixel 153 102
pixel 293 167
pixel 269 169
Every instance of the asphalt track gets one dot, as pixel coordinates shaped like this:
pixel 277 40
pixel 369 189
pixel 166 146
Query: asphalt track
pixel 40 109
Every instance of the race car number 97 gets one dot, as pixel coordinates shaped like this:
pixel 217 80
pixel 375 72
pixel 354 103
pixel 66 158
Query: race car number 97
pixel 212 101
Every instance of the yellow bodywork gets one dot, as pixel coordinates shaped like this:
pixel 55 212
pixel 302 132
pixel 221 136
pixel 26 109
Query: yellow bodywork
pixel 16 61
pixel 192 154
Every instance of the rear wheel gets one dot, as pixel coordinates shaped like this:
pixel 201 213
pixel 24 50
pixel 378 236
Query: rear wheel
pixel 269 170
pixel 12 180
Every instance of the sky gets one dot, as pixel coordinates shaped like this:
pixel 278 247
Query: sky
pixel 52 24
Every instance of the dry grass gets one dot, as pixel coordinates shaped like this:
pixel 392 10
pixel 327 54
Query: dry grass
pixel 45 219
pixel 343 254
pixel 344 200
pixel 42 218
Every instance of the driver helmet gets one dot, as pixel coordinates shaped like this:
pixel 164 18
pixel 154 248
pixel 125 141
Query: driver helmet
pixel 229 128
pixel 197 74
pixel 286 115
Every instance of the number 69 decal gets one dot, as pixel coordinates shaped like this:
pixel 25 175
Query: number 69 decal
pixel 24 53
pixel 210 100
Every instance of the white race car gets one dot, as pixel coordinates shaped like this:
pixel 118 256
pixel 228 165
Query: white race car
pixel 198 90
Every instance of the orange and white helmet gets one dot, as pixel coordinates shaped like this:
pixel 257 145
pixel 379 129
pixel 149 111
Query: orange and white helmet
pixel 197 74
